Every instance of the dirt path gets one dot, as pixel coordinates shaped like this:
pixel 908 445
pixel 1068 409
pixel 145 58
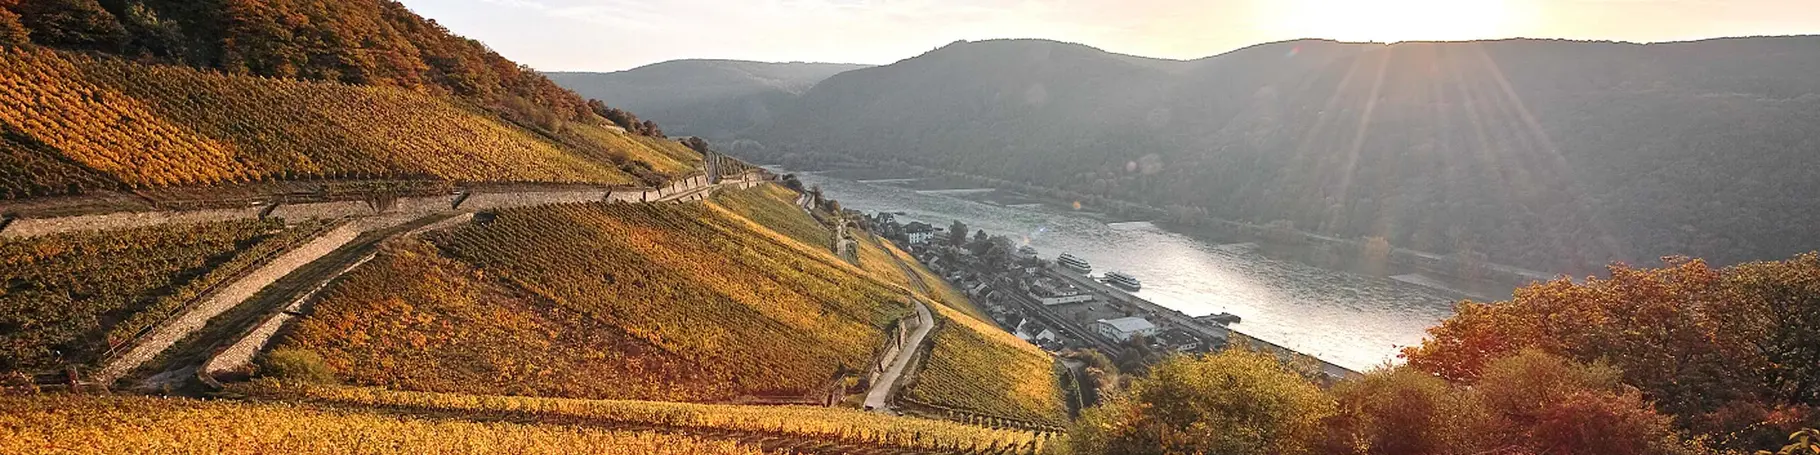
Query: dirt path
pixel 876 399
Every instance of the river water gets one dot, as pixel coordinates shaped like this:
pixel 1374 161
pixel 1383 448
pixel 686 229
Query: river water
pixel 1352 320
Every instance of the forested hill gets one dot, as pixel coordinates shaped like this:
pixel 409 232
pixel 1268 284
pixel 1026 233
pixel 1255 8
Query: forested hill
pixel 1556 155
pixel 708 98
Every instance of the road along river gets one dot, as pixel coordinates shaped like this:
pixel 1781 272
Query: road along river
pixel 1352 320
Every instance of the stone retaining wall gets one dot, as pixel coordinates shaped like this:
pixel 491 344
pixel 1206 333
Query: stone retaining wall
pixel 239 356
pixel 422 205
pixel 225 298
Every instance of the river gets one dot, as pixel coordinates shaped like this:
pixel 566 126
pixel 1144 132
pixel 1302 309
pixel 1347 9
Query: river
pixel 1352 320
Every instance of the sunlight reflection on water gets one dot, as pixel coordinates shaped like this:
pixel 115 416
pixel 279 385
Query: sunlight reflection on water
pixel 1352 320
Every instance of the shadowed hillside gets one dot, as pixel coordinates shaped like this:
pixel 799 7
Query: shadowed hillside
pixel 708 98
pixel 1555 155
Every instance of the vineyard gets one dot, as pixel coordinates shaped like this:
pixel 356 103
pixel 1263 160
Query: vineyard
pixel 656 301
pixel 773 207
pixel 121 425
pixel 977 368
pixel 68 298
pixel 30 169
pixel 450 327
pixel 795 422
pixel 152 126
pixel 939 289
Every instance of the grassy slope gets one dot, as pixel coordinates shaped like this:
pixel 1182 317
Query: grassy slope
pixel 122 425
pixel 66 298
pixel 150 125
pixel 697 306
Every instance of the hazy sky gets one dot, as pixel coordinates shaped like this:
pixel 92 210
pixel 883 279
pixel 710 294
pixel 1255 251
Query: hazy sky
pixel 606 35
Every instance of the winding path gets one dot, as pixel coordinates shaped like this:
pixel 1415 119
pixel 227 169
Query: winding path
pixel 881 389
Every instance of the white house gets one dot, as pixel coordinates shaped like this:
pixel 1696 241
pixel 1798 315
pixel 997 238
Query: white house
pixel 919 232
pixel 1124 328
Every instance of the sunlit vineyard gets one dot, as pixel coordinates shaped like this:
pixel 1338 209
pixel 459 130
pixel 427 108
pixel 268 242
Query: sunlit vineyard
pixel 414 320
pixel 67 298
pixel 151 125
pixel 602 142
pixel 939 290
pixel 718 307
pixel 799 422
pixel 981 369
pixel 774 207
pixel 105 425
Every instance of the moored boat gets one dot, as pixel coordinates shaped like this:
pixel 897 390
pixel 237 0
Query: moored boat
pixel 1070 262
pixel 1123 281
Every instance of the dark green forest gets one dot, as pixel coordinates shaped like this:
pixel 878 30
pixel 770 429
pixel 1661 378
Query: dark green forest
pixel 1555 155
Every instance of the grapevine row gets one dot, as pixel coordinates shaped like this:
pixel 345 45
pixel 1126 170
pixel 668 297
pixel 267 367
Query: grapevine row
pixel 67 298
pixel 151 126
pixel 713 305
pixel 817 423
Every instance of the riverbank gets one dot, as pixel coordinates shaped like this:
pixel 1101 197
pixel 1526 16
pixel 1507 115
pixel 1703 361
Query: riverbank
pixel 1352 320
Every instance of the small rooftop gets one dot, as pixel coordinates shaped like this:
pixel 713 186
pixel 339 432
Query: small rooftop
pixel 1129 324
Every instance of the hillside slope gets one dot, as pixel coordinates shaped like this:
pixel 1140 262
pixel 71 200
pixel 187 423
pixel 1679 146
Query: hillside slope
pixel 618 300
pixel 696 302
pixel 1555 155
pixel 365 42
pixel 128 95
pixel 709 98
pixel 69 299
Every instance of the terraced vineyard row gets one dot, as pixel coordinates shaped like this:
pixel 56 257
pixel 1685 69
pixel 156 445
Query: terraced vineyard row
pixel 773 207
pixel 76 424
pixel 980 369
pixel 150 125
pixel 846 426
pixel 715 306
pixel 68 298
pixel 31 169
pixel 975 367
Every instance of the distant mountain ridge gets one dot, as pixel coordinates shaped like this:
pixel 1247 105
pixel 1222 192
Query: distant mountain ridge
pixel 709 98
pixel 1551 154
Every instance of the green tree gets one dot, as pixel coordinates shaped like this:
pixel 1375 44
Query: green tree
pixel 957 233
pixel 1235 403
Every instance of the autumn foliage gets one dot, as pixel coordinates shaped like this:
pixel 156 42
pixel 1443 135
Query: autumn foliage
pixel 1729 352
pixel 810 423
pixel 976 367
pixel 670 302
pixel 74 122
pixel 107 425
pixel 65 299
pixel 366 42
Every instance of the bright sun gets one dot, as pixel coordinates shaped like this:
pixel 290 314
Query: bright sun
pixel 1397 20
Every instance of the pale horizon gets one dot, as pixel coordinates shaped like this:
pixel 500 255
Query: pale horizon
pixel 613 35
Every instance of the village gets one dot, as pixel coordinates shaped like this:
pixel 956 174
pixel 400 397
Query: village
pixel 1059 305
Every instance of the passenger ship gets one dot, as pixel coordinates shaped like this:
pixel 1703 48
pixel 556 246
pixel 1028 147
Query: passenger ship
pixel 1070 262
pixel 1123 281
